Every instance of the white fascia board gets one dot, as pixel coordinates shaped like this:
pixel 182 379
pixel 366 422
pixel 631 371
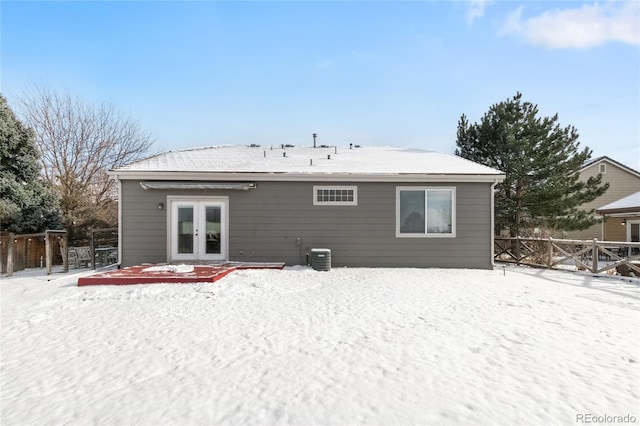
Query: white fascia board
pixel 305 177
pixel 625 214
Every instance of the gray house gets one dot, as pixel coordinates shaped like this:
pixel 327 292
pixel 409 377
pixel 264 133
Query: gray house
pixel 371 206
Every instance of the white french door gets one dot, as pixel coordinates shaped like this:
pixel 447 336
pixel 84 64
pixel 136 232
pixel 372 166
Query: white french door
pixel 198 229
pixel 633 234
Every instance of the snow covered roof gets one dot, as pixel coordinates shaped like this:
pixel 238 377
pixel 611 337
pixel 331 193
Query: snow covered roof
pixel 295 161
pixel 627 204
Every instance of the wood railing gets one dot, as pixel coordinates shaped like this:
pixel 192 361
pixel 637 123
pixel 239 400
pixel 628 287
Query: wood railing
pixel 106 238
pixel 590 255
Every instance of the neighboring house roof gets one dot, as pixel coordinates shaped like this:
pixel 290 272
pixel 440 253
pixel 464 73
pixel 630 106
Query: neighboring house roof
pixel 610 160
pixel 289 162
pixel 628 204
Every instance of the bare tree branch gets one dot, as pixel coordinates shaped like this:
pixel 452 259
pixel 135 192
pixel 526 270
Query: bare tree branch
pixel 79 143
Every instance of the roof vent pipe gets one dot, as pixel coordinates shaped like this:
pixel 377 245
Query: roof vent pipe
pixel 350 146
pixel 328 156
pixel 314 139
pixel 311 161
pixel 284 154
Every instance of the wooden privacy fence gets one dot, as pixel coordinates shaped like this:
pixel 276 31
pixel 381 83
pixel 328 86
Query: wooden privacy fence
pixel 49 248
pixel 41 250
pixel 590 255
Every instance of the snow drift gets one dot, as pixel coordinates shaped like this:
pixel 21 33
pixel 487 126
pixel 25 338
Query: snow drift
pixel 349 346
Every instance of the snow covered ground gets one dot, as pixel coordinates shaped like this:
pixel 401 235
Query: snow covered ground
pixel 349 346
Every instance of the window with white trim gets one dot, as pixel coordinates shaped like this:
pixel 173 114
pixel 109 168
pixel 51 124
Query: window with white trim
pixel 603 168
pixel 335 195
pixel 425 211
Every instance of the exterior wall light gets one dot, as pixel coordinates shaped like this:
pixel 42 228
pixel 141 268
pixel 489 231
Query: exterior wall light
pixel 160 206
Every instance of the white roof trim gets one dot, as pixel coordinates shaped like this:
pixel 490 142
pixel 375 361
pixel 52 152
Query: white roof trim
pixel 307 177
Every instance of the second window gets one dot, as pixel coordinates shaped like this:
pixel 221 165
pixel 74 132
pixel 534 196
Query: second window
pixel 425 212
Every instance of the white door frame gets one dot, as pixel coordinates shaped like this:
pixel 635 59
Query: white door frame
pixel 173 201
pixel 629 223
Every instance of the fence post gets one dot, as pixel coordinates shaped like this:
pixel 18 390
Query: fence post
pixel 28 252
pixel 92 248
pixel 549 253
pixel 47 251
pixel 594 255
pixel 65 251
pixel 518 250
pixel 10 254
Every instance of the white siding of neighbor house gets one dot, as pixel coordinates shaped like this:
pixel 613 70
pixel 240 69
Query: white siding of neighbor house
pixel 265 222
pixel 621 184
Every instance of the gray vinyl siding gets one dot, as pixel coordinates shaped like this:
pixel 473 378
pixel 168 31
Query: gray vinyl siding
pixel 265 222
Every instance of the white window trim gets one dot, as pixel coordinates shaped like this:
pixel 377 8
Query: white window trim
pixel 426 188
pixel 316 188
pixel 602 168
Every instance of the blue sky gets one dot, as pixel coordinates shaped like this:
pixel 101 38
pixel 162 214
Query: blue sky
pixel 379 73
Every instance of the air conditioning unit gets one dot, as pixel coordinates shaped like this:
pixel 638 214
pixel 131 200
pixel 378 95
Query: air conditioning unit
pixel 321 259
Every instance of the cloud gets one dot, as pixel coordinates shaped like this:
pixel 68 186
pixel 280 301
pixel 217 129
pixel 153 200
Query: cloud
pixel 587 26
pixel 476 10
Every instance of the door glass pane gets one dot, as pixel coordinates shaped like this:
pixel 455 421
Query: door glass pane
pixel 439 212
pixel 412 212
pixel 635 232
pixel 213 228
pixel 185 229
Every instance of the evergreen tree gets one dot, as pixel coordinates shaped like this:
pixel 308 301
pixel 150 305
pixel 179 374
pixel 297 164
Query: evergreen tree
pixel 541 161
pixel 27 203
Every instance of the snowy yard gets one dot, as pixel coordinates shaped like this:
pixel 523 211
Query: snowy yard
pixel 349 346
